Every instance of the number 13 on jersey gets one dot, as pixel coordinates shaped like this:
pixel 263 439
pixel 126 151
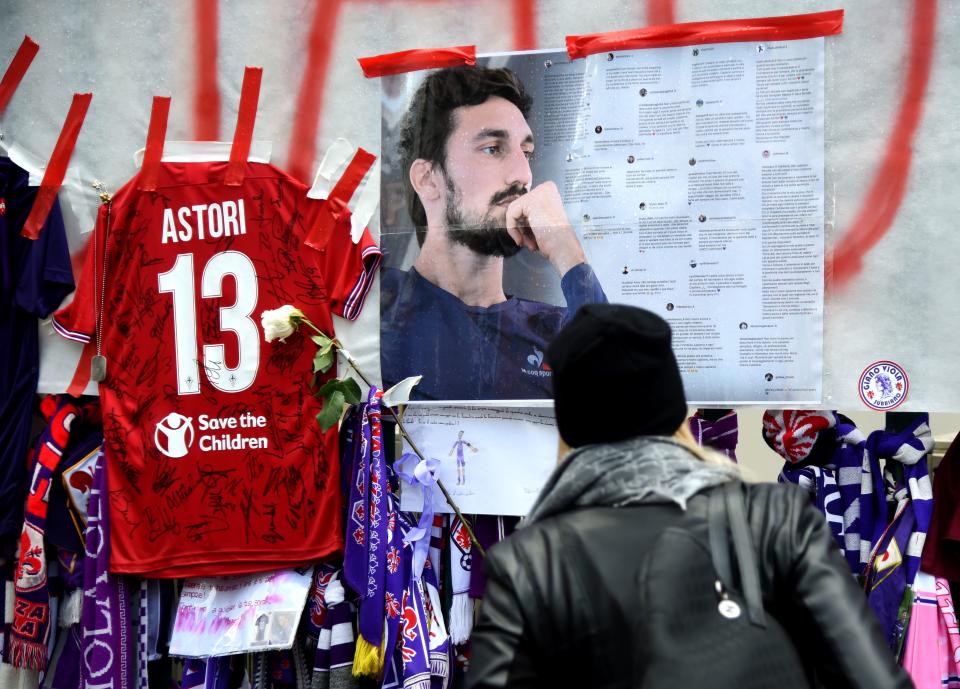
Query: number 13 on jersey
pixel 179 281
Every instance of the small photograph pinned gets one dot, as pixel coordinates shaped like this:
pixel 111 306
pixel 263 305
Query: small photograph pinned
pixel 283 626
pixel 261 624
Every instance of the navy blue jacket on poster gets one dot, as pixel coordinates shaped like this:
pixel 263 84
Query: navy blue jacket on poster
pixel 473 352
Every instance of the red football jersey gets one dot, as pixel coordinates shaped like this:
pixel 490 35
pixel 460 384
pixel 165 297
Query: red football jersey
pixel 216 464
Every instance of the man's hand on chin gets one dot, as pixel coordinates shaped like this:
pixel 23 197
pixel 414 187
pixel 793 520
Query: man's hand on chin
pixel 538 222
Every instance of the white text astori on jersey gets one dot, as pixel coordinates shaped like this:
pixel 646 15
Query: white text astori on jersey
pixel 214 220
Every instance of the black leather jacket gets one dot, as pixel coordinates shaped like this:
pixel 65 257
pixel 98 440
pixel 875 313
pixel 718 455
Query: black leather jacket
pixel 560 605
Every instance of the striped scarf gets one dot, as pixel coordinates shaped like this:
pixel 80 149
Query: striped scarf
pixel 333 659
pixel 30 632
pixel 847 481
pixel 909 448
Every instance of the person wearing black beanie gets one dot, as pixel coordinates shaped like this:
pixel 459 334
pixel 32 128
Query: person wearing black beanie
pixel 622 573
pixel 613 344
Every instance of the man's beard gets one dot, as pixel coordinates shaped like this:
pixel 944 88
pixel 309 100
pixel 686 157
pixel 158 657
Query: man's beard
pixel 483 234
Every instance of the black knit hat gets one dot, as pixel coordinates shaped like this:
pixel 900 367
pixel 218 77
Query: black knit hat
pixel 615 376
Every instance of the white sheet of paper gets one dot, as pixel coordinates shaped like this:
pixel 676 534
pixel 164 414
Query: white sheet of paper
pixel 491 461
pixel 235 614
pixel 701 198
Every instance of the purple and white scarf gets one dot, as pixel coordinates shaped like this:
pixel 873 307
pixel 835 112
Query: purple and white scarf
pixel 423 646
pixel 438 639
pixel 418 646
pixel 837 485
pixel 317 607
pixel 399 558
pixel 366 539
pixel 849 481
pixel 333 660
pixel 909 448
pixel 461 562
pixel 720 435
pixel 109 646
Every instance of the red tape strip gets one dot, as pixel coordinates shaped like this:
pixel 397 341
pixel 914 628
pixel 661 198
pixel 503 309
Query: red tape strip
pixel 57 167
pixel 246 118
pixel 81 375
pixel 335 209
pixel 787 28
pixel 413 60
pixel 18 67
pixel 156 133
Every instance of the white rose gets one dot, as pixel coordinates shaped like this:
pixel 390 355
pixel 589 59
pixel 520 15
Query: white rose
pixel 278 324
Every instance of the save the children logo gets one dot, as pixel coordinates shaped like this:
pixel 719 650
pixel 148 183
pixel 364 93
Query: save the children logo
pixel 883 385
pixel 537 366
pixel 174 435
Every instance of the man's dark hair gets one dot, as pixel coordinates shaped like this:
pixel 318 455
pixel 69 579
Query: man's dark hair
pixel 429 121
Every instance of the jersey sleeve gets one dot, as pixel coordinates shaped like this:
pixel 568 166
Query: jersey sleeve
pixel 348 269
pixel 76 320
pixel 45 277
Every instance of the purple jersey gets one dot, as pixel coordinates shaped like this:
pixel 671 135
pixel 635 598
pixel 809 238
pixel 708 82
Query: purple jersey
pixel 35 276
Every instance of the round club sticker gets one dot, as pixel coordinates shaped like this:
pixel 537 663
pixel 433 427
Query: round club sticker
pixel 883 385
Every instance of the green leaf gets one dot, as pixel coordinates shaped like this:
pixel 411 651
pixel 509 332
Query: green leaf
pixel 332 409
pixel 322 341
pixel 351 391
pixel 347 387
pixel 323 360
